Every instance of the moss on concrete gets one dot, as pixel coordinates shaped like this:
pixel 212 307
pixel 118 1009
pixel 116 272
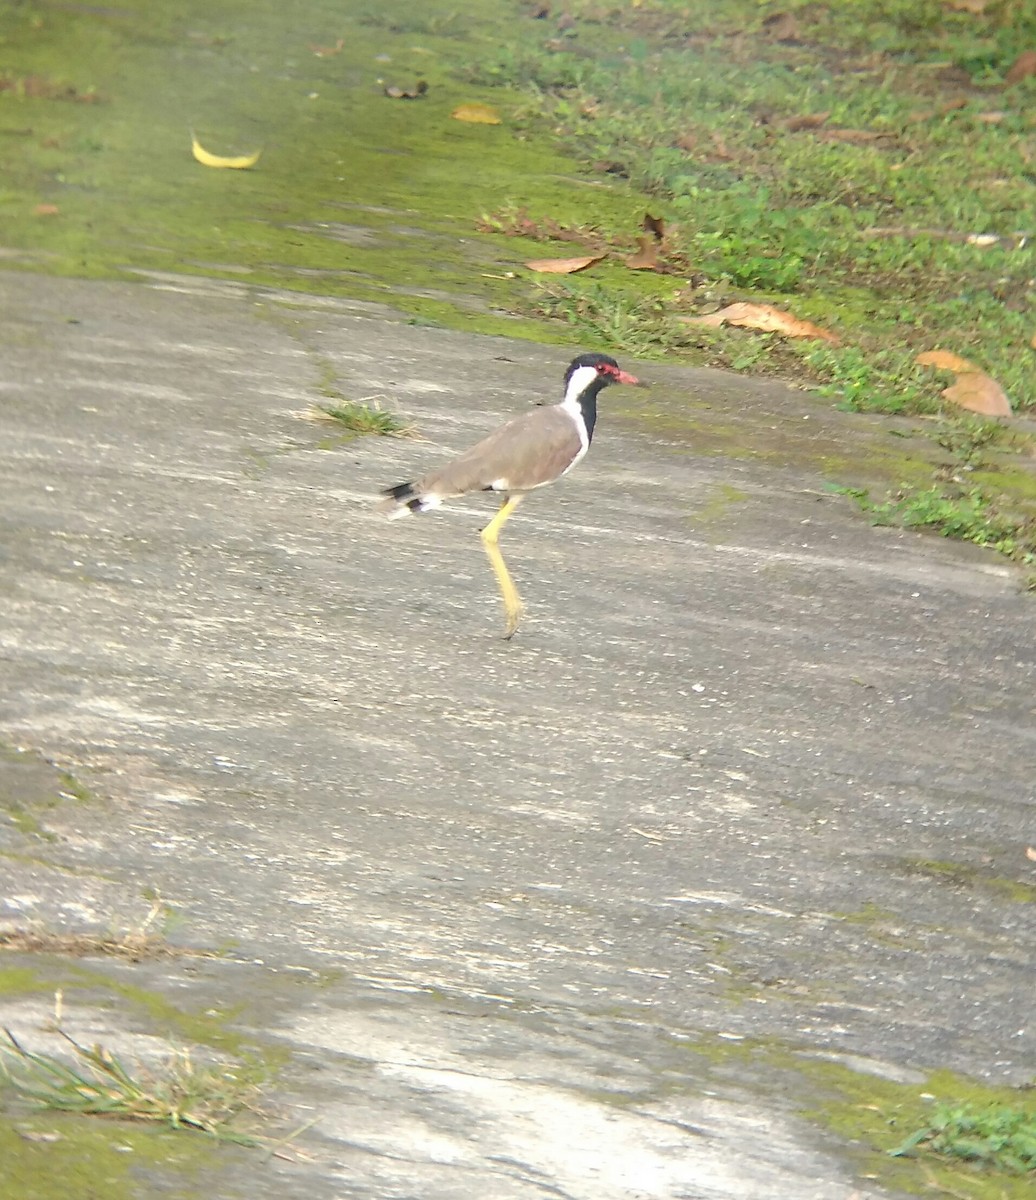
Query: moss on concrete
pixel 56 1156
pixel 870 1115
pixel 964 875
pixel 355 194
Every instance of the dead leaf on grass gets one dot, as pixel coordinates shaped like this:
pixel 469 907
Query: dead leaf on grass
pixel 654 226
pixel 46 210
pixel 646 258
pixel 782 27
pixel 855 137
pixel 1022 67
pixel 1032 343
pixel 992 118
pixel 563 266
pixel 327 51
pixel 978 392
pixel 415 93
pixel 476 114
pixel 806 121
pixel 944 110
pixel 763 317
pixel 978 7
pixel 945 360
pixel 721 150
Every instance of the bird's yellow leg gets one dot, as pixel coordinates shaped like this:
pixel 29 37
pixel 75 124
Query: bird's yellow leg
pixel 508 592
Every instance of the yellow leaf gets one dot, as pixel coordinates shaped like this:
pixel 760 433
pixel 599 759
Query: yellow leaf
pixel 979 393
pixel 476 114
pixel 764 317
pixel 945 359
pixel 563 266
pixel 238 163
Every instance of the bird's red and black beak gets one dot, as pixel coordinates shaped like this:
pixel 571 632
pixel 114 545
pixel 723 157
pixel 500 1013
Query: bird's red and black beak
pixel 617 375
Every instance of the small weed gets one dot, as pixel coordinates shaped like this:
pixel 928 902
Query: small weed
pixel 998 1137
pixel 183 1095
pixel 640 326
pixel 360 417
pixel 968 514
pixel 967 438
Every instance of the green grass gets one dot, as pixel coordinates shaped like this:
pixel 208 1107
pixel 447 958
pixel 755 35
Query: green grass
pixel 982 493
pixel 182 1095
pixel 699 106
pixel 998 1137
pixel 360 418
pixel 829 158
pixel 833 160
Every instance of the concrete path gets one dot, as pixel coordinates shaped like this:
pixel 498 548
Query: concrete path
pixel 526 919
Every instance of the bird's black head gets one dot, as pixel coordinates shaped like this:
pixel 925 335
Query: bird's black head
pixel 608 370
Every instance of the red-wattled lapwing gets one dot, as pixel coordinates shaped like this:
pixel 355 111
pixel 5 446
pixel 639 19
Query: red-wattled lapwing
pixel 526 453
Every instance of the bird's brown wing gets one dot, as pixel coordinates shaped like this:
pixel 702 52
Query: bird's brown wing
pixel 526 453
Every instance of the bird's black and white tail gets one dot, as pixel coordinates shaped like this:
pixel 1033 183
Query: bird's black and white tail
pixel 406 498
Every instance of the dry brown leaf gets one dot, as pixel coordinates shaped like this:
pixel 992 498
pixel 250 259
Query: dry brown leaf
pixel 563 266
pixel 722 150
pixel 806 121
pixel 646 258
pixel 1022 67
pixel 1032 343
pixel 1030 852
pixel 992 118
pixel 856 137
pixel 764 317
pixel 327 51
pixel 476 114
pixel 46 210
pixel 978 7
pixel 945 359
pixel 782 27
pixel 654 226
pixel 414 93
pixel 944 110
pixel 978 392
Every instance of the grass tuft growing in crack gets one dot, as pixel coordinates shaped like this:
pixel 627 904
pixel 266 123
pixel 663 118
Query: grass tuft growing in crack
pixel 182 1095
pixel 360 417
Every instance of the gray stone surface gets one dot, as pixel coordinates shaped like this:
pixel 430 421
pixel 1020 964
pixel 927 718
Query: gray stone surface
pixel 751 768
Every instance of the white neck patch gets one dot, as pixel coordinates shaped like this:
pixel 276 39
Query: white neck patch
pixel 581 379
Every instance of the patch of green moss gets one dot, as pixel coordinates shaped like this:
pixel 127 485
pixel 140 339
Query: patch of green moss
pixel 965 876
pixel 355 194
pixel 211 1028
pixel 875 1116
pixel 721 499
pixel 30 786
pixel 55 1156
pixel 20 981
pixel 869 1114
pixel 1016 482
